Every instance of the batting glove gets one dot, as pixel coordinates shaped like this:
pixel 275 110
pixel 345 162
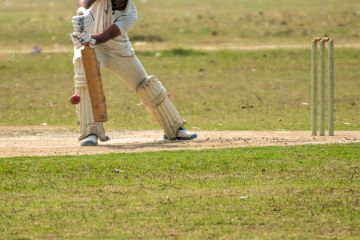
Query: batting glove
pixel 83 21
pixel 82 39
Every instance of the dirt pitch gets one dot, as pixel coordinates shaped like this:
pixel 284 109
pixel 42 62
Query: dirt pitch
pixel 49 141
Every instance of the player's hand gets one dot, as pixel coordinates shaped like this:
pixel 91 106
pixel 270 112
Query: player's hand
pixel 82 39
pixel 84 20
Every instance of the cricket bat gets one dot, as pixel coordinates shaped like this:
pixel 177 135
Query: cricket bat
pixel 94 82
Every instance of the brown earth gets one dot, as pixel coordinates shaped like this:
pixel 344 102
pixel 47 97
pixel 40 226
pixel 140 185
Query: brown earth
pixel 49 141
pixel 145 46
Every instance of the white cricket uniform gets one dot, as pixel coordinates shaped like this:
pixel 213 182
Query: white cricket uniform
pixel 119 56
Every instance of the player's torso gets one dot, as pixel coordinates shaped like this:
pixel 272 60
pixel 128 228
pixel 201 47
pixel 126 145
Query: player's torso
pixel 119 5
pixel 122 8
pixel 121 12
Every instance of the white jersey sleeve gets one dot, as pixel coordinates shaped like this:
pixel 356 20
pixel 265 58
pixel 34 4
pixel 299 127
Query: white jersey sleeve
pixel 124 20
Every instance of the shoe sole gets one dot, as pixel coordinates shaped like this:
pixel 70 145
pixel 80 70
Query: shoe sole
pixel 88 144
pixel 192 137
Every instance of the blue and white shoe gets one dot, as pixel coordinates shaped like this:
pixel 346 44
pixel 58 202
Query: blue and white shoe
pixel 183 135
pixel 89 141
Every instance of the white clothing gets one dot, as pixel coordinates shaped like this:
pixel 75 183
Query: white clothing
pixel 118 56
pixel 104 18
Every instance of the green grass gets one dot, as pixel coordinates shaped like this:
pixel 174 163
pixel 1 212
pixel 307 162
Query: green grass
pixel 247 90
pixel 305 192
pixel 43 23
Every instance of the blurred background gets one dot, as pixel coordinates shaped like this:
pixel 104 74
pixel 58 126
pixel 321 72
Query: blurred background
pixel 46 24
pixel 248 60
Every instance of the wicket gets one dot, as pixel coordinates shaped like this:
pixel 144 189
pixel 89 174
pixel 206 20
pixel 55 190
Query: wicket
pixel 314 85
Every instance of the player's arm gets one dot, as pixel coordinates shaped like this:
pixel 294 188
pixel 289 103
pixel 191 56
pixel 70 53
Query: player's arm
pixel 86 3
pixel 81 37
pixel 84 38
pixel 110 33
pixel 119 27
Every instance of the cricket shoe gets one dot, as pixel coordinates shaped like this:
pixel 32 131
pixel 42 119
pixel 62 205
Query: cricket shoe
pixel 89 141
pixel 183 134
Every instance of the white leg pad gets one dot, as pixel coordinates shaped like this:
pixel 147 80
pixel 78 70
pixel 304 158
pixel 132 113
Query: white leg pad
pixel 153 95
pixel 83 109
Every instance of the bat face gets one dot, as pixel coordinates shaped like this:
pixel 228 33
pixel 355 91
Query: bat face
pixel 94 81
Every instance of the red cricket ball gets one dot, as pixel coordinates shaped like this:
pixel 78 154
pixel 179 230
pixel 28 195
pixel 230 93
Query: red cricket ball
pixel 75 99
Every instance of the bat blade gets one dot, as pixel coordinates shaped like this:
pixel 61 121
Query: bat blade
pixel 95 86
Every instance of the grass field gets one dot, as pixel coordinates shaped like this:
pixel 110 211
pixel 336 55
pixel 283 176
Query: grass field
pixel 255 90
pixel 304 192
pixel 47 23
pixel 257 193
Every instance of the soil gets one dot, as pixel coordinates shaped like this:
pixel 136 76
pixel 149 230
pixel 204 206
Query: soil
pixel 51 141
pixel 144 46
